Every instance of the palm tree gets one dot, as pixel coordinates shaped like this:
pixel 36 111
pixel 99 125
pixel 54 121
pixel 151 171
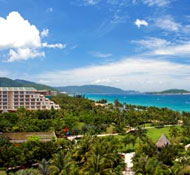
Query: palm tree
pixel 97 165
pixel 61 163
pixel 102 157
pixel 140 133
pixel 174 131
pixel 82 149
pixel 129 139
pixel 44 167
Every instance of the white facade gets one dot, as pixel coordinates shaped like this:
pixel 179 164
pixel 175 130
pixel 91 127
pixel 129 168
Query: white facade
pixel 12 98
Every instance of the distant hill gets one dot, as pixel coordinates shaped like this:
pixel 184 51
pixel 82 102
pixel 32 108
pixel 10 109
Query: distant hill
pixel 6 82
pixel 172 91
pixel 93 89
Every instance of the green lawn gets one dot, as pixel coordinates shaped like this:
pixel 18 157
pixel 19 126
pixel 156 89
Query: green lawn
pixel 155 133
pixel 2 173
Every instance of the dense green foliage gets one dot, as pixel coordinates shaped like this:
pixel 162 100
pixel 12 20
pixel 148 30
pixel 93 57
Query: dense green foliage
pixel 94 119
pixel 91 154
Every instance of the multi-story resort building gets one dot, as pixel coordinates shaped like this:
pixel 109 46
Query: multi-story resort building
pixel 12 98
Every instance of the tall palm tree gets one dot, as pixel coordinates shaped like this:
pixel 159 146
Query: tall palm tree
pixel 61 163
pixel 102 157
pixel 97 165
pixel 140 133
pixel 82 149
pixel 44 167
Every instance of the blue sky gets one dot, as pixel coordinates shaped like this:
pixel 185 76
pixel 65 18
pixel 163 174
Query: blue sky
pixel 132 44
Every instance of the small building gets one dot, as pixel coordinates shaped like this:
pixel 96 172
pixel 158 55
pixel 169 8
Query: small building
pixel 21 137
pixel 162 142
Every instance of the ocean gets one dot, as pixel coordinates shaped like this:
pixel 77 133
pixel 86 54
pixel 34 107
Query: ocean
pixel 175 102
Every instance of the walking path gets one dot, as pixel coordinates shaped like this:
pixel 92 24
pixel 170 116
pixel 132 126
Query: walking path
pixel 80 136
pixel 129 163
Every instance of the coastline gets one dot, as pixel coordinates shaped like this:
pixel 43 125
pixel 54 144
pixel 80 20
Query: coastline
pixel 174 102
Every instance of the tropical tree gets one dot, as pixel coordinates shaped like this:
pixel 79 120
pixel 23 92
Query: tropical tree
pixel 129 139
pixel 140 133
pixel 61 163
pixel 174 131
pixel 44 167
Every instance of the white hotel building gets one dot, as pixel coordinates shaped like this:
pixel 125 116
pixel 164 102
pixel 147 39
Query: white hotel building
pixel 12 98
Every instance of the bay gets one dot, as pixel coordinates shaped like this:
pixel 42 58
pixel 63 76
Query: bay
pixel 175 102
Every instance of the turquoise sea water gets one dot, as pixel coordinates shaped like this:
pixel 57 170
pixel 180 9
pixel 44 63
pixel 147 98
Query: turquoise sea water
pixel 175 102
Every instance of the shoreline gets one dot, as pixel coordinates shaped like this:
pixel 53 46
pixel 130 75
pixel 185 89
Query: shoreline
pixel 178 102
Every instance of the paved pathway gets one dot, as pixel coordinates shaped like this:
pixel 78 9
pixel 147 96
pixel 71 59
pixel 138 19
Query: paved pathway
pixel 129 163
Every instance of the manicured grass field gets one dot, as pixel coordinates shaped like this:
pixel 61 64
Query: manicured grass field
pixel 155 133
pixel 2 173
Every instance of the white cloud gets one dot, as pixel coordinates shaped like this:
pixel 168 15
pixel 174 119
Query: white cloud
pixel 57 45
pixel 140 23
pixel 22 38
pixel 101 55
pixel 23 54
pixel 152 43
pixel 118 19
pixel 167 23
pixel 15 32
pixel 162 47
pixel 176 50
pixel 45 32
pixel 103 81
pixel 148 75
pixel 159 3
pixel 91 2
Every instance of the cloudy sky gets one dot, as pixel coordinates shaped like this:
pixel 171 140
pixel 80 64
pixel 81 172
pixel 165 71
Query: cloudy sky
pixel 132 44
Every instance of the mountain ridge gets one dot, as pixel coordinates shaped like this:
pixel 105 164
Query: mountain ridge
pixel 7 82
pixel 93 89
pixel 84 89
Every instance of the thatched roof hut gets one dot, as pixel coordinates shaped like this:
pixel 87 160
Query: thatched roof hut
pixel 162 142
